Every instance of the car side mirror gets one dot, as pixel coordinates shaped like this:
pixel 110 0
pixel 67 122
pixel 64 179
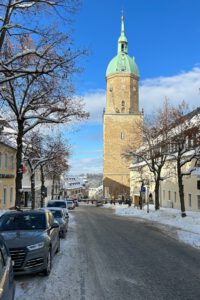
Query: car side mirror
pixel 55 225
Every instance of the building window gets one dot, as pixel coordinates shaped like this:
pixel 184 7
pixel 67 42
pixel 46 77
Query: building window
pixel 198 184
pixel 190 200
pixel 11 195
pixel 6 161
pixel 12 162
pixel 169 195
pixel 198 201
pixel 4 196
pixel 122 136
pixel 174 196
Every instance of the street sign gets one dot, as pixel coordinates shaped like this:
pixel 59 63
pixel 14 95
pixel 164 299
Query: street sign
pixel 143 189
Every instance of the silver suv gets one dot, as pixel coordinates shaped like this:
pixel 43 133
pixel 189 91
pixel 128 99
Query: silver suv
pixel 32 238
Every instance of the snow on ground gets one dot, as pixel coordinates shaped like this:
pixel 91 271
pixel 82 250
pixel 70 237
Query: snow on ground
pixel 62 282
pixel 187 229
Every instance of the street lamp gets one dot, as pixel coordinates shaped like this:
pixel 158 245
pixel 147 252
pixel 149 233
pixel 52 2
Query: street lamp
pixel 146 182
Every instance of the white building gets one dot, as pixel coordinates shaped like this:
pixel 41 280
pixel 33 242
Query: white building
pixel 75 187
pixel 169 189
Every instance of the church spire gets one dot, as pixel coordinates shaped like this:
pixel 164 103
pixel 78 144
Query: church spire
pixel 122 41
pixel 122 23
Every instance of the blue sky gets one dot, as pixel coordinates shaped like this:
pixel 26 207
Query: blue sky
pixel 163 37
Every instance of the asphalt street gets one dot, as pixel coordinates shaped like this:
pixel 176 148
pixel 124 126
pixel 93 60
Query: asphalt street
pixel 128 259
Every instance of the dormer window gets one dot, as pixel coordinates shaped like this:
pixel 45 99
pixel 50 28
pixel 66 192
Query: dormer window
pixel 122 135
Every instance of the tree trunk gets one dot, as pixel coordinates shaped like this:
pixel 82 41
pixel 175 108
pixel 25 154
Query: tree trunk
pixel 5 23
pixel 52 190
pixel 157 189
pixel 42 186
pixel 181 189
pixel 33 189
pixel 19 166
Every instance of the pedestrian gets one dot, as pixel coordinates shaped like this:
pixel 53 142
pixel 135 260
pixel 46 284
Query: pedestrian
pixel 150 198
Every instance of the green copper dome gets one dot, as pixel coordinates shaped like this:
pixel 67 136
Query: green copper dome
pixel 122 62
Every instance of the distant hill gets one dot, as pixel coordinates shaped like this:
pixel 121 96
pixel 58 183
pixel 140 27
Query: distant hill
pixel 94 180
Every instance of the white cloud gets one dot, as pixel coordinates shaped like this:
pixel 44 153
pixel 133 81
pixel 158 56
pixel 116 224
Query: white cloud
pixel 152 92
pixel 86 165
pixel 184 86
pixel 95 102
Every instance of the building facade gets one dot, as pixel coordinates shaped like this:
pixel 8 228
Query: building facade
pixel 186 138
pixel 7 175
pixel 75 187
pixel 169 190
pixel 121 120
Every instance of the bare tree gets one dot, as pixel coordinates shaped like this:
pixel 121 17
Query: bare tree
pixel 43 93
pixel 184 145
pixel 153 151
pixel 21 17
pixel 53 170
pixel 40 151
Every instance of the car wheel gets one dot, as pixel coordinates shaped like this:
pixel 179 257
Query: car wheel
pixel 47 271
pixel 58 248
pixel 64 234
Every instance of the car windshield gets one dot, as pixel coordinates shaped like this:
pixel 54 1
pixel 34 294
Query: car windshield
pixel 56 204
pixel 57 213
pixel 69 202
pixel 22 221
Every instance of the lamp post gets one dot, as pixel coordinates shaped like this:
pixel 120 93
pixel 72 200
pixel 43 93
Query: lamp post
pixel 147 193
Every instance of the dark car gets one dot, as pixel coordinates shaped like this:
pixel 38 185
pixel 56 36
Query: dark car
pixel 7 284
pixel 76 203
pixel 59 203
pixel 61 218
pixel 32 238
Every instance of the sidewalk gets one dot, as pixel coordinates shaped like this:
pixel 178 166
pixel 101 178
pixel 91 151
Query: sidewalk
pixel 187 229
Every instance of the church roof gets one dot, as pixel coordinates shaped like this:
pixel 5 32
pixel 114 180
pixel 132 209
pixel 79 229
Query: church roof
pixel 122 62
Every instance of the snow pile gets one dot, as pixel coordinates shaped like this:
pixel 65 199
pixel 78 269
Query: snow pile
pixel 188 228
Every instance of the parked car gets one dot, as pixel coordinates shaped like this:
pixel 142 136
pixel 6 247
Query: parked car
pixel 76 202
pixel 59 203
pixel 99 202
pixel 7 284
pixel 60 217
pixel 32 237
pixel 70 204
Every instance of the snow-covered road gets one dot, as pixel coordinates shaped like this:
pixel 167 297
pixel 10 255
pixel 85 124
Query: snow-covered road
pixel 186 229
pixel 106 256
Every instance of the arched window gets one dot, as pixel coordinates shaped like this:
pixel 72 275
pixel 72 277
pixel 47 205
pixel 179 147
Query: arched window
pixel 122 106
pixel 122 135
pixel 12 162
pixel 6 161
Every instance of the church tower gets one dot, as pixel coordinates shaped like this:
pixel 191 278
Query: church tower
pixel 120 120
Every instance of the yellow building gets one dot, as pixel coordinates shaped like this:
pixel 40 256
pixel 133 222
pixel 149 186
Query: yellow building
pixel 7 175
pixel 121 120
